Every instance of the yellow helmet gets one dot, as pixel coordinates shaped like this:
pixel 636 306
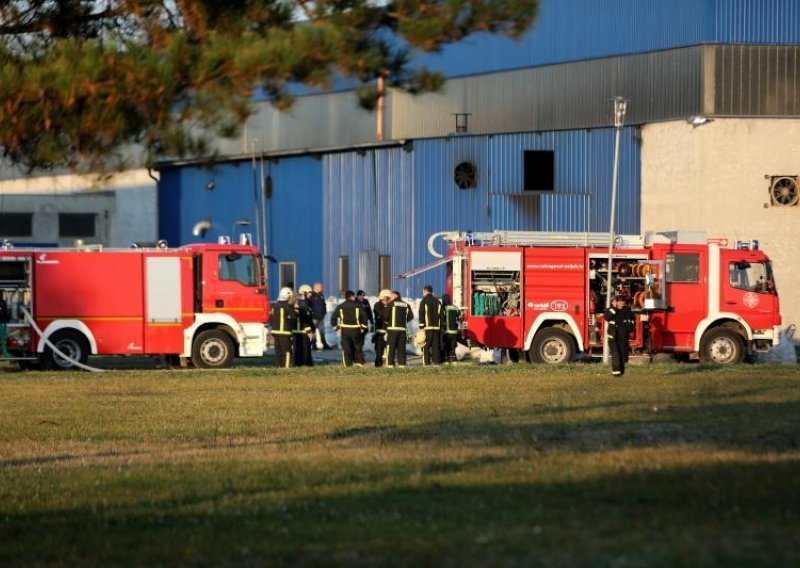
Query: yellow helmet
pixel 385 294
pixel 304 289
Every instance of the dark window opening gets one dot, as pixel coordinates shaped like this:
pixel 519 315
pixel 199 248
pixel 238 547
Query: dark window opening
pixel 385 272
pixel 344 273
pixel 540 170
pixel 76 225
pixel 16 224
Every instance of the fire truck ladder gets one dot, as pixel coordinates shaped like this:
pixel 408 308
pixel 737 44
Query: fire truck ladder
pixel 533 238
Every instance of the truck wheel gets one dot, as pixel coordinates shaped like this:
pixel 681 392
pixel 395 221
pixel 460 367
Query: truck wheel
pixel 212 349
pixel 69 342
pixel 552 346
pixel 722 346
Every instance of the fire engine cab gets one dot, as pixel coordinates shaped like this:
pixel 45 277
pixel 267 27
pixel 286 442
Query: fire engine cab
pixel 201 304
pixel 545 293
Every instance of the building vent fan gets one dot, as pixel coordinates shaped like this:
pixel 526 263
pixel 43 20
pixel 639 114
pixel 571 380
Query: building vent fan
pixel 783 191
pixel 466 175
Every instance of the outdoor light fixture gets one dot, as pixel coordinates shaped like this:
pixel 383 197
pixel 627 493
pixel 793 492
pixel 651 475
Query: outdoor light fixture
pixel 239 223
pixel 201 227
pixel 210 185
pixel 698 120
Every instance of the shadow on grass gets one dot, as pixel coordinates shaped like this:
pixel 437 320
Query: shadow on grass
pixel 755 427
pixel 728 514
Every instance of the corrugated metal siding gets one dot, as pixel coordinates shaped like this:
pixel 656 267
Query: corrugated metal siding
pixel 573 30
pixel 415 195
pixel 294 214
pixel 757 21
pixel 660 86
pixel 757 80
pixel 319 121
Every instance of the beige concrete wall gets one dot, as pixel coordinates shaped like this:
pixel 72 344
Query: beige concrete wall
pixel 712 178
pixel 126 205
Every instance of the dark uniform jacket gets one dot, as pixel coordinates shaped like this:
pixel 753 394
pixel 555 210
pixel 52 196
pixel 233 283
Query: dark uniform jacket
pixel 368 311
pixel 450 320
pixel 318 306
pixel 4 315
pixel 349 315
pixel 397 314
pixel 430 312
pixel 305 319
pixel 283 319
pixel 378 311
pixel 620 323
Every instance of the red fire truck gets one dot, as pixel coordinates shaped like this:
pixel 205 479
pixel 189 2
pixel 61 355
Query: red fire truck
pixel 200 304
pixel 545 293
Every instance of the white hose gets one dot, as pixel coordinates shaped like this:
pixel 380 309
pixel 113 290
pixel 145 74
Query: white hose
pixel 55 349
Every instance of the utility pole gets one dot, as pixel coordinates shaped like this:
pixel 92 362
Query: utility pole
pixel 620 107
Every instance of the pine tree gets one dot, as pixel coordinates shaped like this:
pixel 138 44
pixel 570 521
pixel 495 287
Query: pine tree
pixel 82 78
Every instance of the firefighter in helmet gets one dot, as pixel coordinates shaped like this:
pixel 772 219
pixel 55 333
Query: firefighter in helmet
pixel 379 337
pixel 282 321
pixel 304 328
pixel 350 321
pixel 619 326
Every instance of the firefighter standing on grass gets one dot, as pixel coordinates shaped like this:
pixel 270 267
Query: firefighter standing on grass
pixel 397 314
pixel 430 319
pixel 379 336
pixel 449 329
pixel 350 320
pixel 619 325
pixel 283 321
pixel 304 329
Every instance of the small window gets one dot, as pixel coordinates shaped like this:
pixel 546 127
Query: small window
pixel 751 276
pixel 240 268
pixel 385 272
pixel 76 225
pixel 344 273
pixel 286 274
pixel 16 224
pixel 683 267
pixel 540 170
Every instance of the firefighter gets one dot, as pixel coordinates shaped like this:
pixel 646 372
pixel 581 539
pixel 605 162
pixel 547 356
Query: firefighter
pixel 304 329
pixel 379 336
pixel 282 322
pixel 619 325
pixel 361 299
pixel 350 321
pixel 430 320
pixel 397 314
pixel 449 329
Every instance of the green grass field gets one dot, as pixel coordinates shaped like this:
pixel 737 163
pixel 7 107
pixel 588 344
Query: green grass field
pixel 467 466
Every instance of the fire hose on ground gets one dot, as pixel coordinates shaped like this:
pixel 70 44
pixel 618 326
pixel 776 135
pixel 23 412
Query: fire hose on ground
pixel 55 349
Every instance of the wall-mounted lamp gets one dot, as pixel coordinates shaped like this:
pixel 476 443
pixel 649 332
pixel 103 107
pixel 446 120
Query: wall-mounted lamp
pixel 201 227
pixel 698 120
pixel 210 185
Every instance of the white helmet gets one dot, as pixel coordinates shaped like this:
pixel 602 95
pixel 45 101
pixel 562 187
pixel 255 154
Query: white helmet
pixel 304 289
pixel 285 294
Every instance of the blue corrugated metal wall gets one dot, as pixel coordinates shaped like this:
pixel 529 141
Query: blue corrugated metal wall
pixel 390 201
pixel 294 212
pixel 572 30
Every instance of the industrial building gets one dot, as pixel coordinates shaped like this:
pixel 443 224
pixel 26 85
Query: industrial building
pixel 521 138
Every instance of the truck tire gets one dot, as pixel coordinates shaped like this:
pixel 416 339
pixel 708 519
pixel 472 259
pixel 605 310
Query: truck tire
pixel 552 346
pixel 722 346
pixel 70 342
pixel 212 349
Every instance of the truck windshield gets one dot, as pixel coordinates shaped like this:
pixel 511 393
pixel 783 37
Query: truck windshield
pixel 752 276
pixel 241 268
